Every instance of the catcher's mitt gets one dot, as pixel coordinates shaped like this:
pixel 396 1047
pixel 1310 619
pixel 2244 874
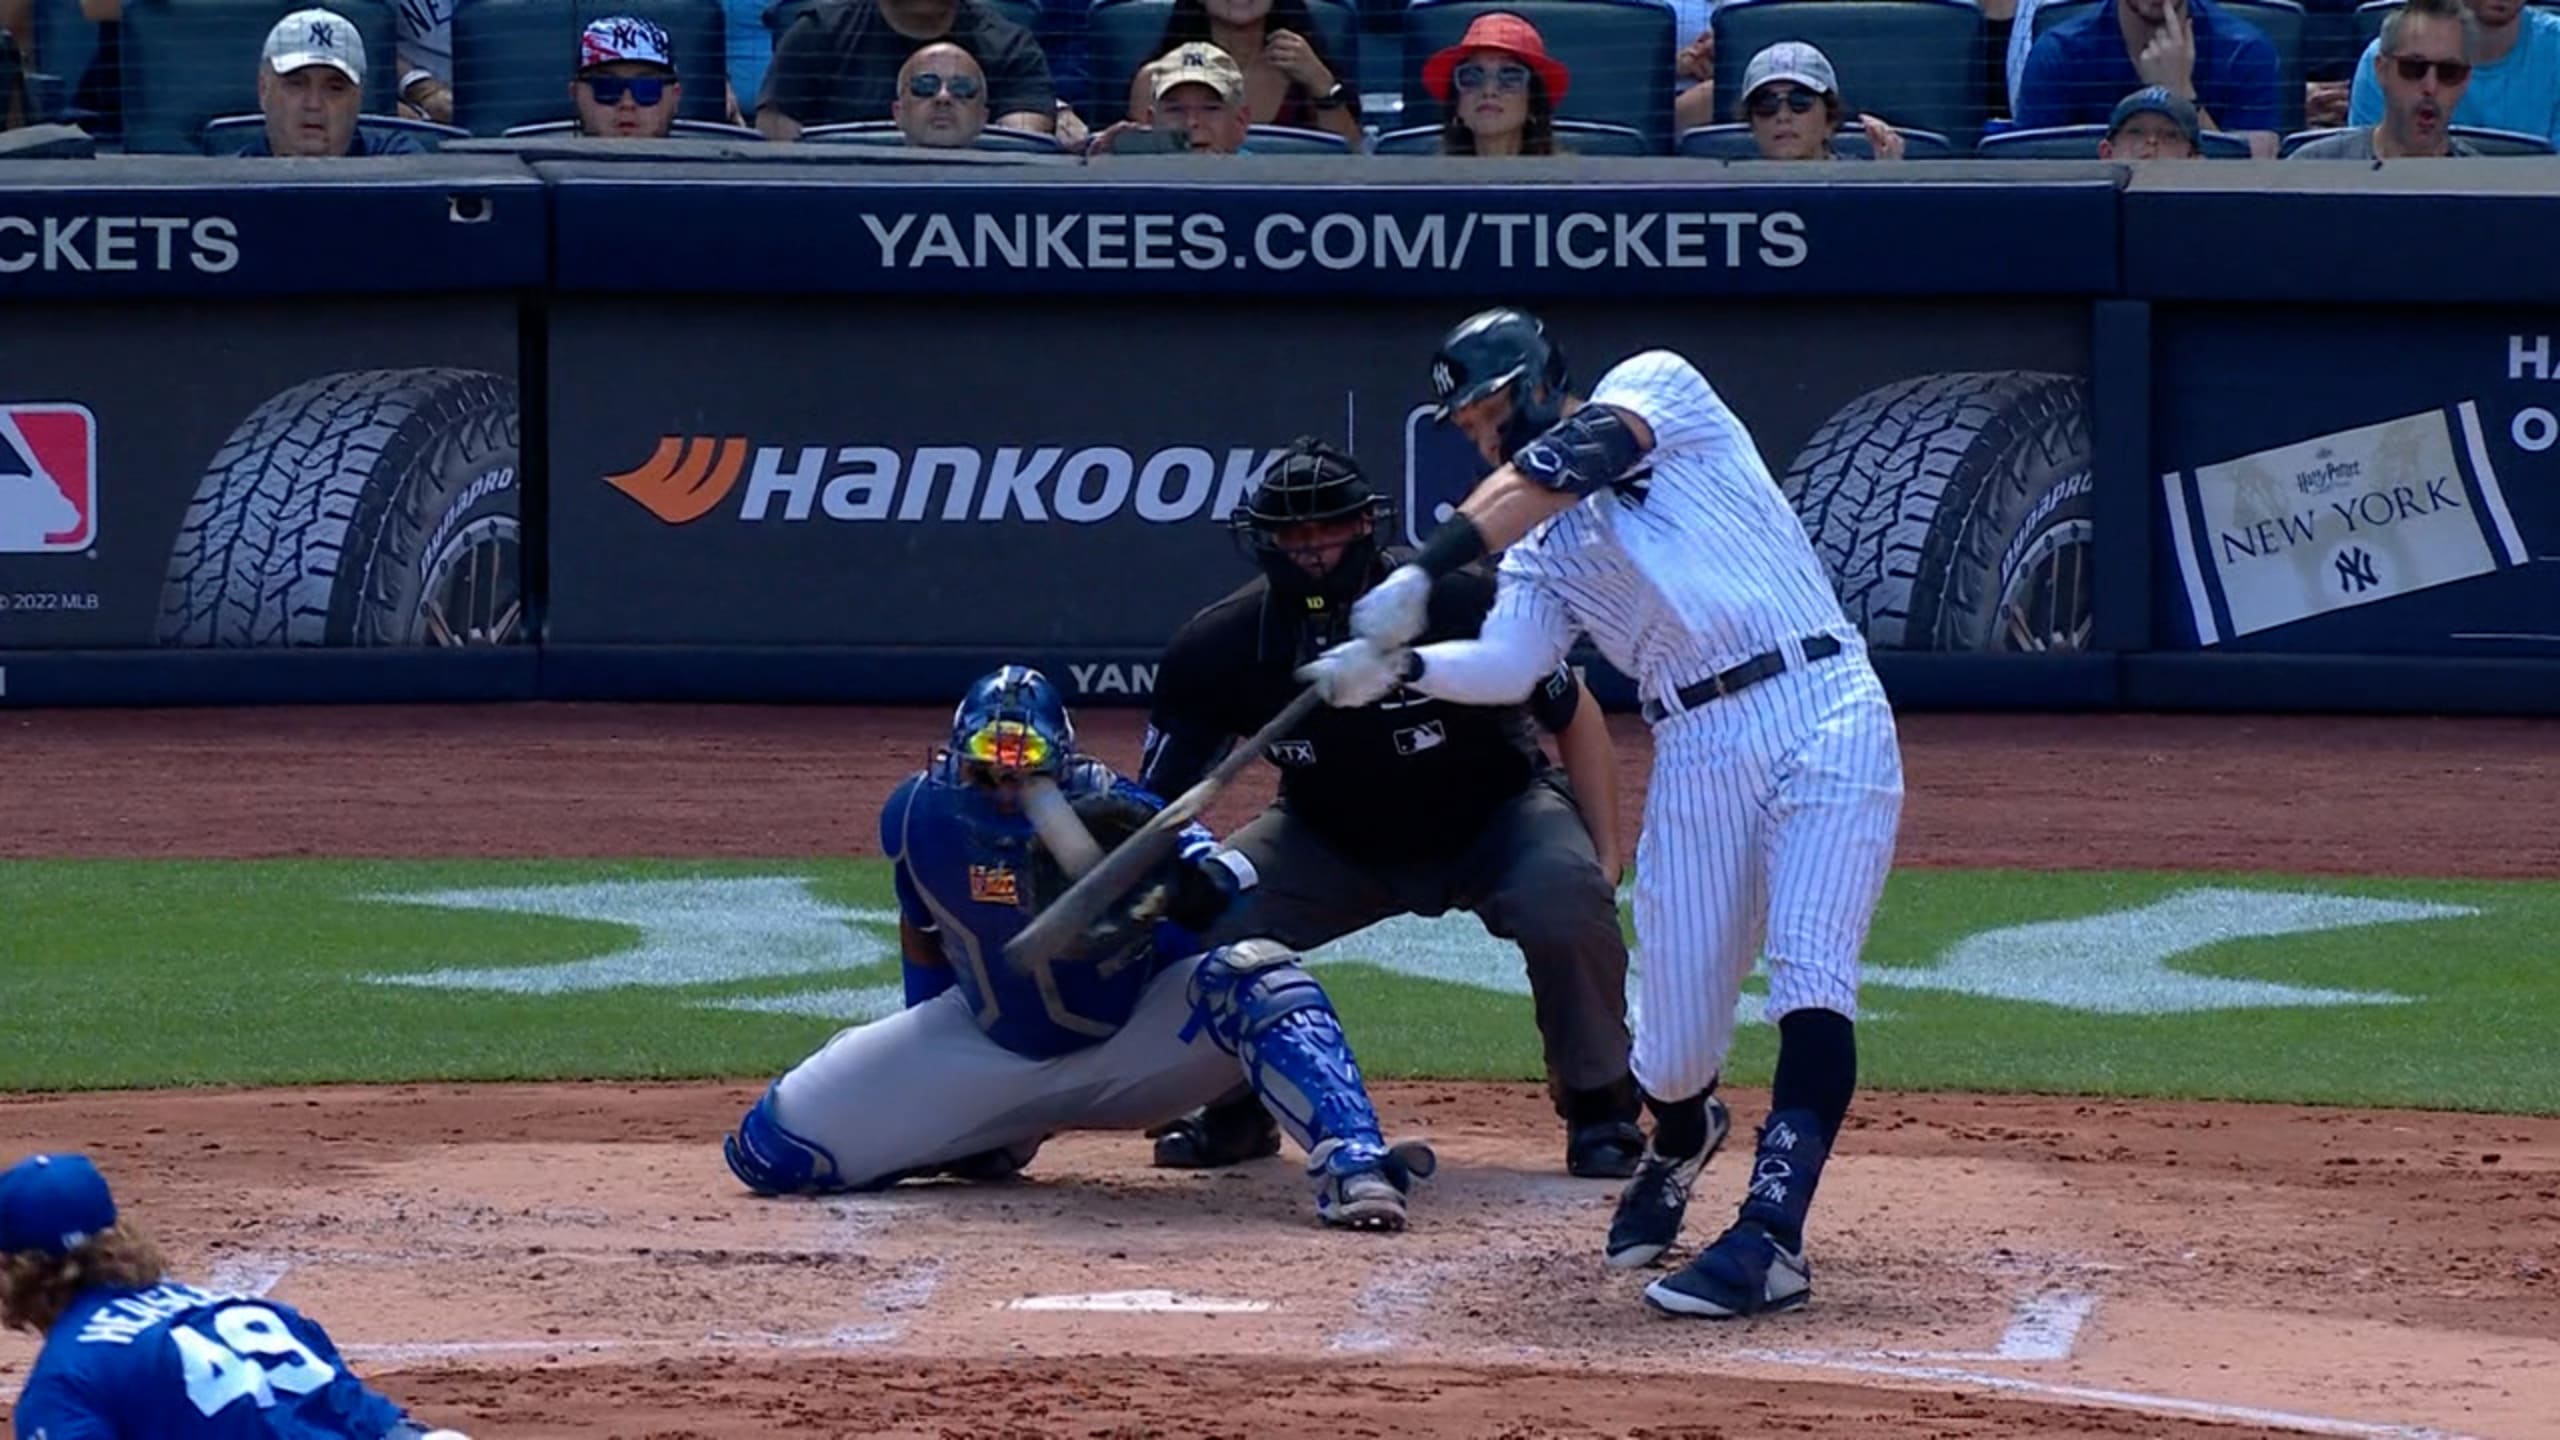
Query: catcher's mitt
pixel 1189 895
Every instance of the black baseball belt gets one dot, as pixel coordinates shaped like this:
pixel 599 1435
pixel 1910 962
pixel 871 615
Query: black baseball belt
pixel 1741 677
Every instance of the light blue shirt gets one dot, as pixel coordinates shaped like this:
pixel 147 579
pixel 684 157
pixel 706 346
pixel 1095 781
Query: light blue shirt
pixel 2521 92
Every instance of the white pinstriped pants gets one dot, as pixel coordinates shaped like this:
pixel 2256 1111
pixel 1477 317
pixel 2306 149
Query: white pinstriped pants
pixel 1771 818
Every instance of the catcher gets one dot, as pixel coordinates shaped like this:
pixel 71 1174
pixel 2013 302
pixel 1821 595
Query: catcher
pixel 1135 1025
pixel 131 1354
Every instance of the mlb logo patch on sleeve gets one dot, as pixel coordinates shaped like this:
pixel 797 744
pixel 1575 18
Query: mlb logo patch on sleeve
pixel 48 479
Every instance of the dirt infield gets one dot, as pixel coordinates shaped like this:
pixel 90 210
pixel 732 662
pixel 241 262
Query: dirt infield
pixel 572 1260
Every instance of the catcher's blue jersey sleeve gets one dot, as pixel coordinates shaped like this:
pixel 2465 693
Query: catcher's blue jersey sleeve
pixel 174 1362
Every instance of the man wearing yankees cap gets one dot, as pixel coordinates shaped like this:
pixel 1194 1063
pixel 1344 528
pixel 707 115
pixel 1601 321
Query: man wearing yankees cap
pixel 626 86
pixel 311 88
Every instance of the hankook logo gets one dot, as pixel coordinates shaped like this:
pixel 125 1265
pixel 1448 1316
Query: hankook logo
pixel 687 477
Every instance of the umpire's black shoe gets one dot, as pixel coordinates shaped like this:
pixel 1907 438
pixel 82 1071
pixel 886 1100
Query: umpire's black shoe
pixel 1652 1206
pixel 1217 1136
pixel 1604 1150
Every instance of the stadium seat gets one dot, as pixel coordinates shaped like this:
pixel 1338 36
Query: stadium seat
pixel 2283 22
pixel 1732 141
pixel 2080 142
pixel 2502 142
pixel 682 130
pixel 1580 137
pixel 512 59
pixel 1292 140
pixel 66 44
pixel 1619 54
pixel 1121 35
pixel 2486 141
pixel 187 61
pixel 1915 64
pixel 2369 18
pixel 885 133
pixel 228 135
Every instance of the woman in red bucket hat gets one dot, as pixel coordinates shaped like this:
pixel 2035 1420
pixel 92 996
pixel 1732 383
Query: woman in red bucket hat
pixel 1506 88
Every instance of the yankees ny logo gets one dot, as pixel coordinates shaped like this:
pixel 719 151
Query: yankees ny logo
pixel 1441 379
pixel 2355 570
pixel 324 35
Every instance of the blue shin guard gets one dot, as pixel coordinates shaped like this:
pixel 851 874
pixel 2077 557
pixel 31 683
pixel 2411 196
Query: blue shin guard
pixel 770 1160
pixel 1260 1006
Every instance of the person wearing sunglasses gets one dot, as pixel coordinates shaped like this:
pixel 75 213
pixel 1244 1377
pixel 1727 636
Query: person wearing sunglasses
pixel 2423 66
pixel 1792 98
pixel 2515 72
pixel 942 98
pixel 626 86
pixel 1501 88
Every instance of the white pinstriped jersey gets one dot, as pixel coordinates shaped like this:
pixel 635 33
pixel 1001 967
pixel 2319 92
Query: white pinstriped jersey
pixel 1694 564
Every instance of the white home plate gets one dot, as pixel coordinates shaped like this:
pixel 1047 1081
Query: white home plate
pixel 1142 1302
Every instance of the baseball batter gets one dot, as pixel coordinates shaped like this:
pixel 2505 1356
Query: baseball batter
pixel 132 1354
pixel 1137 1024
pixel 1643 517
pixel 1413 806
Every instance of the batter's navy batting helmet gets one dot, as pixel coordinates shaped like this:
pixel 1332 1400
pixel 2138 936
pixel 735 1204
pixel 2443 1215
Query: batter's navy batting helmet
pixel 1500 350
pixel 1310 483
pixel 1012 722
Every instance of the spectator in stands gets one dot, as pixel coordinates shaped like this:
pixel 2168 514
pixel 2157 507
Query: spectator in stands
pixel 17 39
pixel 2515 72
pixel 626 85
pixel 1288 78
pixel 841 61
pixel 1792 96
pixel 98 94
pixel 2079 69
pixel 2152 124
pixel 311 87
pixel 426 60
pixel 1693 64
pixel 2423 66
pixel 14 107
pixel 1501 87
pixel 1200 100
pixel 942 98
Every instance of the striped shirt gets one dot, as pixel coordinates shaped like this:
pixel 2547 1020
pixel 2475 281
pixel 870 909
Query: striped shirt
pixel 1692 564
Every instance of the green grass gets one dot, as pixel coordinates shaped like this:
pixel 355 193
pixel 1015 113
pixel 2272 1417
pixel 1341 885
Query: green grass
pixel 117 974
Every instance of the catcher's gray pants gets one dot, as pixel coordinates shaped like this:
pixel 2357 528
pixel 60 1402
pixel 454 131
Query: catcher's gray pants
pixel 1532 877
pixel 926 1086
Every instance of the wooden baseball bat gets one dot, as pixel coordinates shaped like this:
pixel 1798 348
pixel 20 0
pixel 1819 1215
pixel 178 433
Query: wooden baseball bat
pixel 1054 929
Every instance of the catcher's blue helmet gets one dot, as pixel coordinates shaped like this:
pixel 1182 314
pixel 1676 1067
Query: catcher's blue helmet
pixel 1013 722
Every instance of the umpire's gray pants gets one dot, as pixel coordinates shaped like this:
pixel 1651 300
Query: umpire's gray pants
pixel 1532 877
pixel 926 1086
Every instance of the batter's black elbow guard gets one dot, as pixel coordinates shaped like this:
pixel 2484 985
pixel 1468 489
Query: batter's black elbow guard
pixel 1585 450
pixel 1456 545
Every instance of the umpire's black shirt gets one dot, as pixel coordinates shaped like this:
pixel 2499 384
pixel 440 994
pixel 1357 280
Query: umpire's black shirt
pixel 1408 777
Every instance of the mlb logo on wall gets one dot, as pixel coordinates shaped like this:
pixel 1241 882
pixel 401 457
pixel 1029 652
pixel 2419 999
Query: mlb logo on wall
pixel 48 479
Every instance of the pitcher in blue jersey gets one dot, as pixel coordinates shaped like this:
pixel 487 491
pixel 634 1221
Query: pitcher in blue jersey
pixel 1137 1024
pixel 131 1354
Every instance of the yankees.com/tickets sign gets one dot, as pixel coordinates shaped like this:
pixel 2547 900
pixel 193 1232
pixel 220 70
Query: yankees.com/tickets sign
pixel 1056 480
pixel 2405 507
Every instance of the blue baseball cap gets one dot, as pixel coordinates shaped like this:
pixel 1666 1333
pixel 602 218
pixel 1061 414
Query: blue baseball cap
pixel 2155 100
pixel 53 1204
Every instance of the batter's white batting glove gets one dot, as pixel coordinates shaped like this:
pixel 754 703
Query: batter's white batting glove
pixel 1395 612
pixel 1354 673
